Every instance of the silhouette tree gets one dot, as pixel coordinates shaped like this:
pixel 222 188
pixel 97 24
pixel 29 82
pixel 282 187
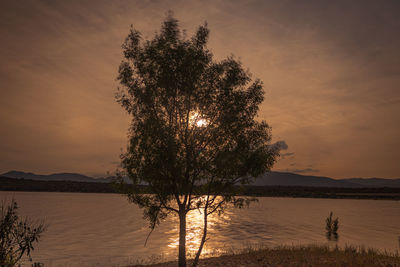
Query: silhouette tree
pixel 194 133
pixel 16 235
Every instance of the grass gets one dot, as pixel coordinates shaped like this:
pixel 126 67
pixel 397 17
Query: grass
pixel 311 255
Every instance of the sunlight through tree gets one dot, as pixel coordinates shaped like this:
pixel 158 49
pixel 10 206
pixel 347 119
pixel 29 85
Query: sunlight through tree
pixel 194 133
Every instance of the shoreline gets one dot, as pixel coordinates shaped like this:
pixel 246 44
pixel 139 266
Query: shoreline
pixel 384 193
pixel 310 255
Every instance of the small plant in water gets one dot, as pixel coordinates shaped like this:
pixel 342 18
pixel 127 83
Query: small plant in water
pixel 332 226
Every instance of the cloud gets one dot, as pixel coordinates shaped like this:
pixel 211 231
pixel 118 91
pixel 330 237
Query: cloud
pixel 280 145
pixel 330 69
pixel 285 155
pixel 306 170
pixel 298 171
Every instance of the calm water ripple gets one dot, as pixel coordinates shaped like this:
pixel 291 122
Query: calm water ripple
pixel 104 229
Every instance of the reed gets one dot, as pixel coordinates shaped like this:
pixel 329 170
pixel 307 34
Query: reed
pixel 331 227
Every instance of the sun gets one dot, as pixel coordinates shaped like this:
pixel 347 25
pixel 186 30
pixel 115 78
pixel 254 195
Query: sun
pixel 201 123
pixel 196 119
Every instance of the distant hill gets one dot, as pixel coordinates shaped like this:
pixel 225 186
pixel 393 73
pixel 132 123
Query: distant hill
pixel 375 182
pixel 268 179
pixel 56 177
pixel 292 179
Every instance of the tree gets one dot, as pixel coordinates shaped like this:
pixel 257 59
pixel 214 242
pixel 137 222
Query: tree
pixel 16 235
pixel 194 133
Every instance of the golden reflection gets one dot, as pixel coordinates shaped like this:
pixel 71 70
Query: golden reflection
pixel 194 232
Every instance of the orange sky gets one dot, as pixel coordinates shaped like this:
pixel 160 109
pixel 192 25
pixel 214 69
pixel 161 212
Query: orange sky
pixel 331 71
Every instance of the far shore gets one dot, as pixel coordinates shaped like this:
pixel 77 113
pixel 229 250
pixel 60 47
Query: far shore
pixel 312 255
pixel 384 193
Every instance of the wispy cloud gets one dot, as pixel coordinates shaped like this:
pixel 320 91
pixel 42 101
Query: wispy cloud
pixel 285 155
pixel 280 145
pixel 301 171
pixel 331 71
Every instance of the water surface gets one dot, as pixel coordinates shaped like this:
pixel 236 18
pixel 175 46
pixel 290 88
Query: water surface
pixel 104 229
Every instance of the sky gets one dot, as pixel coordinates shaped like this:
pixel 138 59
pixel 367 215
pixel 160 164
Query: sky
pixel 331 74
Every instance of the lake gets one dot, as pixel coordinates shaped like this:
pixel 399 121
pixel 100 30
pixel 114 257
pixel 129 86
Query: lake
pixel 104 229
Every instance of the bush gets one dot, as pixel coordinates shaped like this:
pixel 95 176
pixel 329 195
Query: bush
pixel 16 235
pixel 332 227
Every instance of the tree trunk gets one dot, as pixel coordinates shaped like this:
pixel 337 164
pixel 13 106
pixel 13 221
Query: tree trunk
pixel 203 239
pixel 182 238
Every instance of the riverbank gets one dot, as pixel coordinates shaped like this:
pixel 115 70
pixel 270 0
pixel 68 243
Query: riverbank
pixel 298 256
pixel 384 193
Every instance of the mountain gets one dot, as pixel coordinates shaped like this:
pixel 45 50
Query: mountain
pixel 56 177
pixel 374 182
pixel 292 179
pixel 268 179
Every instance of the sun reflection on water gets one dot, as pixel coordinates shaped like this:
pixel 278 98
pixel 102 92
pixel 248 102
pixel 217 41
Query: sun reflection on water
pixel 194 232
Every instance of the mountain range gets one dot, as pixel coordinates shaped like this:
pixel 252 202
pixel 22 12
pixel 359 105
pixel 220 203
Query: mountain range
pixel 55 177
pixel 292 179
pixel 268 179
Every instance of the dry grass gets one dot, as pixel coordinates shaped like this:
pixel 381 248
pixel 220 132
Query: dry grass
pixel 299 256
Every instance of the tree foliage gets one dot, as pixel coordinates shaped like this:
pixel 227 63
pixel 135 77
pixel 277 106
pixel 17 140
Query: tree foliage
pixel 17 235
pixel 194 132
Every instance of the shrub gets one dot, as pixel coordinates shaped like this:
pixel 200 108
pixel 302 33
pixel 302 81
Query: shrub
pixel 16 235
pixel 332 227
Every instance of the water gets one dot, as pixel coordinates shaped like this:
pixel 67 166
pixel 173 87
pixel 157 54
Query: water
pixel 105 230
